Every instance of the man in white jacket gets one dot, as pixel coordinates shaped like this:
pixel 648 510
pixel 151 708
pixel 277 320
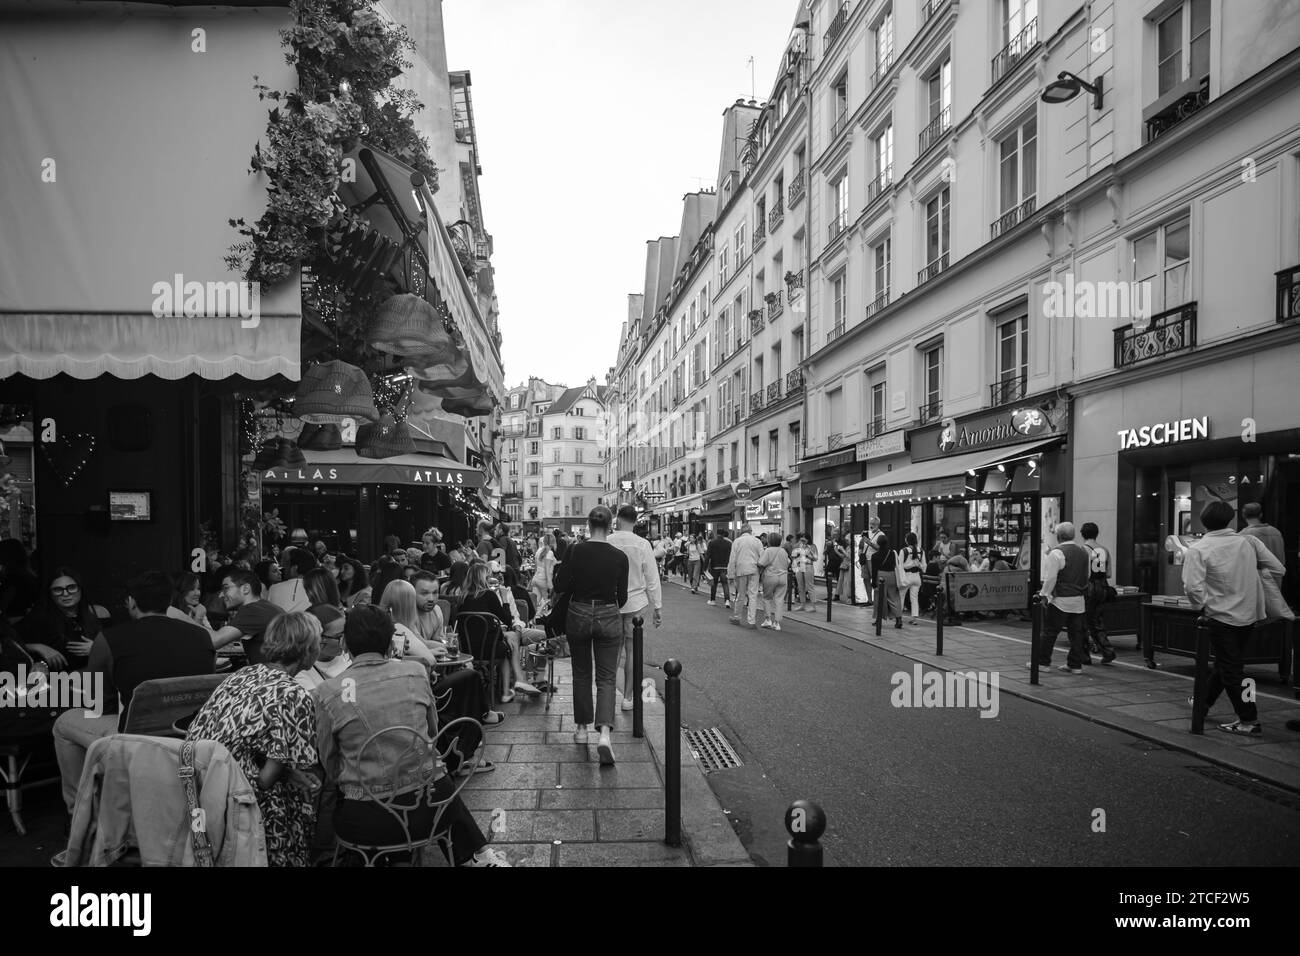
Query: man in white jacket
pixel 643 590
pixel 743 569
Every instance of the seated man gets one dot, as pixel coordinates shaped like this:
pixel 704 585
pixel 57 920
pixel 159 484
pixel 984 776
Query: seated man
pixel 382 692
pixel 249 615
pixel 150 647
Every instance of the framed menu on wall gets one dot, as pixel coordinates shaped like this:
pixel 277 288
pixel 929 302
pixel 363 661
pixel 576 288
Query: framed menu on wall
pixel 130 505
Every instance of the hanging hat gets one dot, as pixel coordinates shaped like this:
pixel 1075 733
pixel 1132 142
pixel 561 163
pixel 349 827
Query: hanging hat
pixel 333 391
pixel 384 439
pixel 471 407
pixel 406 324
pixel 280 453
pixel 321 438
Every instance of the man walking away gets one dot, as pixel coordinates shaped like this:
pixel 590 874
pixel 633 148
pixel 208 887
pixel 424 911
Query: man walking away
pixel 718 555
pixel 1098 592
pixel 1065 581
pixel 643 590
pixel 1257 527
pixel 1221 577
pixel 743 569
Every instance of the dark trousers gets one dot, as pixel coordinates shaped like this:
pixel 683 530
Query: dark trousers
pixel 468 699
pixel 367 823
pixel 595 637
pixel 1095 598
pixel 1075 626
pixel 719 577
pixel 1228 643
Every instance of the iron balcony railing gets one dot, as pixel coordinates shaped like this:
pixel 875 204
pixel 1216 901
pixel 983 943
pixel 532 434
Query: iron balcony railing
pixel 841 120
pixel 1010 388
pixel 798 186
pixel 1015 52
pixel 837 227
pixel 932 132
pixel 760 232
pixel 1288 294
pixel 836 331
pixel 1170 332
pixel 793 281
pixel 1195 99
pixel 735 472
pixel 777 215
pixel 774 392
pixel 1015 217
pixel 836 27
pixel 929 412
pixel 880 183
pixel 755 321
pixel 738 414
pixel 885 66
pixel 775 305
pixel 930 8
pixel 756 401
pixel 834 440
pixel 874 428
pixel 876 304
pixel 794 381
pixel 932 270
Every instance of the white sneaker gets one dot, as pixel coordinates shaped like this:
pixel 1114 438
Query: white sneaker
pixel 605 749
pixel 766 624
pixel 711 603
pixel 627 704
pixel 487 857
pixel 776 626
pixel 728 604
pixel 507 698
pixel 524 687
pixel 580 735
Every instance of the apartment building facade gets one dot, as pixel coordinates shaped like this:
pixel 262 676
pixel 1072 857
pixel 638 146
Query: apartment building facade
pixel 573 457
pixel 523 449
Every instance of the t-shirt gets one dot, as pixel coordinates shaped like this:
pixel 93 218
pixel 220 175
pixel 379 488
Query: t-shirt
pixel 252 619
pixel 1098 561
pixel 289 595
pixel 594 571
pixel 148 648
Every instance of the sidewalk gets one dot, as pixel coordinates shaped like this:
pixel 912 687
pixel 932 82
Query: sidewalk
pixel 1125 696
pixel 558 807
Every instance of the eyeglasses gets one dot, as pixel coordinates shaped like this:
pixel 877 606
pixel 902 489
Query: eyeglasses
pixel 69 589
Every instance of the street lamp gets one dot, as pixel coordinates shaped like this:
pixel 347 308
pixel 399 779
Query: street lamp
pixel 1066 87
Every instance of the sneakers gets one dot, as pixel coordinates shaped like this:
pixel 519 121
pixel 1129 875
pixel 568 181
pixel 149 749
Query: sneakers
pixel 524 687
pixel 487 857
pixel 898 623
pixel 1241 727
pixel 1108 657
pixel 494 717
pixel 508 698
pixel 1067 669
pixel 627 704
pixel 734 620
pixel 766 624
pixel 776 626
pixel 605 749
pixel 711 603
pixel 728 603
pixel 580 735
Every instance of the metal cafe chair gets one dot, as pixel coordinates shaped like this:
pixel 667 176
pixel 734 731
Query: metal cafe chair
pixel 157 705
pixel 481 637
pixel 414 761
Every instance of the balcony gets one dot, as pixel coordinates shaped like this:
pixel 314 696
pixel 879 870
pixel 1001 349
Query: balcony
pixel 1015 52
pixel 798 186
pixel 735 472
pixel 793 283
pixel 876 304
pixel 929 412
pixel 760 232
pixel 836 27
pixel 775 305
pixel 774 392
pixel 836 331
pixel 873 428
pixel 885 66
pixel 1170 332
pixel 841 120
pixel 1184 100
pixel 755 321
pixel 934 131
pixel 834 441
pixel 1015 217
pixel 930 8
pixel 777 215
pixel 1288 294
pixel 932 270
pixel 880 183
pixel 1010 388
pixel 837 227
pixel 794 381
pixel 756 401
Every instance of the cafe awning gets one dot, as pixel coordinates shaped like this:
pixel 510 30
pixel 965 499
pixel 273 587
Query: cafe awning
pixel 716 516
pixel 940 478
pixel 345 467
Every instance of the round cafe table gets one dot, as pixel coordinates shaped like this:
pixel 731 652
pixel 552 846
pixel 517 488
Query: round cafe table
pixel 453 663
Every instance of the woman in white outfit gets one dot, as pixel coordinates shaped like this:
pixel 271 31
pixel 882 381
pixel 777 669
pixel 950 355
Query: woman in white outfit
pixel 805 564
pixel 774 568
pixel 911 562
pixel 543 577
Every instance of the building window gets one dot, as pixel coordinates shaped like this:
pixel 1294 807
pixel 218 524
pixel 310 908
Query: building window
pixel 739 239
pixel 1162 260
pixel 940 91
pixel 534 468
pixel 876 413
pixel 577 454
pixel 881 256
pixel 839 302
pixel 884 43
pixel 1016 15
pixel 1013 357
pixel 932 377
pixel 773 449
pixel 753 454
pixel 534 448
pixel 794 443
pixel 1183 45
pixel 555 504
pixel 796 347
pixel 580 434
pixel 840 204
pixel 724 262
pixel 557 432
pixel 532 490
pixel 577 479
pixel 936 228
pixel 1018 165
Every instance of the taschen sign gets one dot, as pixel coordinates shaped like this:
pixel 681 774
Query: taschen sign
pixel 987 430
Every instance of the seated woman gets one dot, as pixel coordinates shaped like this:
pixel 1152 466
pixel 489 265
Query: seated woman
pixel 380 693
pixel 354 582
pixel 453 589
pixel 399 601
pixel 511 578
pixel 62 627
pixel 187 601
pixel 267 720
pixel 480 597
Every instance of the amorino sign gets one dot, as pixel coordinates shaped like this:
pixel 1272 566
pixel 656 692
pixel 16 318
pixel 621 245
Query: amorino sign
pixel 992 429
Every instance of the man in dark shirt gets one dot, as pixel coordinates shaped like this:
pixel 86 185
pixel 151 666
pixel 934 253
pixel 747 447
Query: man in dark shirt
pixel 718 556
pixel 151 647
pixel 249 614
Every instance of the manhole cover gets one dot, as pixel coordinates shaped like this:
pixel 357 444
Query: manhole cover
pixel 1254 787
pixel 711 749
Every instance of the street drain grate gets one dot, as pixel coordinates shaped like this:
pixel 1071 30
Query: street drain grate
pixel 1255 788
pixel 712 750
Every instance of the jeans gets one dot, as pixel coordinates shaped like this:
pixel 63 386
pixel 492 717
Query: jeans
pixel 1228 642
pixel 367 823
pixel 746 597
pixel 1095 598
pixel 595 634
pixel 1077 629
pixel 774 587
pixel 74 732
pixel 803 587
pixel 694 574
pixel 720 577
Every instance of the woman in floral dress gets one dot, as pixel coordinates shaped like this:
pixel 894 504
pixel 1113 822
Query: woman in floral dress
pixel 267 721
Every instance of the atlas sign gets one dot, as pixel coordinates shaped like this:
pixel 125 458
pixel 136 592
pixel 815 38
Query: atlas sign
pixel 1164 433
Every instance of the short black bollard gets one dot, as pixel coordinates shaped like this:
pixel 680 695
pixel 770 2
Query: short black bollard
pixel 830 583
pixel 880 605
pixel 1035 635
pixel 1200 684
pixel 638 675
pixel 790 585
pixel 940 612
pixel 805 821
pixel 672 752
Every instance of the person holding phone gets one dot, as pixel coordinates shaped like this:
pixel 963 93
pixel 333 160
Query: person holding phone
pixel 63 627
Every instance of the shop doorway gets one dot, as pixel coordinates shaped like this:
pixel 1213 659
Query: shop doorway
pixel 330 514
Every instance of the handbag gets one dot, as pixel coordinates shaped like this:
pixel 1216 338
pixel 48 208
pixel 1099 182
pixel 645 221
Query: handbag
pixel 1275 606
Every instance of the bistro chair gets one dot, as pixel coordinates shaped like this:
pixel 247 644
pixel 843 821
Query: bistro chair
pixel 481 638
pixel 158 705
pixel 415 761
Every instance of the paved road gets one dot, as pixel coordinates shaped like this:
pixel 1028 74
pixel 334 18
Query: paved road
pixel 810 714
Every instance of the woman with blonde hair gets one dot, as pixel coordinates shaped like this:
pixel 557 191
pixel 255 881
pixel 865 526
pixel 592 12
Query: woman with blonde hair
pixel 399 601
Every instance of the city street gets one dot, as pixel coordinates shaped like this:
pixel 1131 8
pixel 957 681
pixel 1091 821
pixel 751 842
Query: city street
pixel 811 711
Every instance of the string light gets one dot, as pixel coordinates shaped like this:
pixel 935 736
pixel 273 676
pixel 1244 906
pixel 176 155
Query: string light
pixel 69 478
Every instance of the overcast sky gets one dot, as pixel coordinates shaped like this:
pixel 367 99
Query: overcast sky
pixel 594 117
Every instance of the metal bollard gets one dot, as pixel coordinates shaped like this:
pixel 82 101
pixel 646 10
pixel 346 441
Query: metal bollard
pixel 790 585
pixel 672 753
pixel 830 585
pixel 638 673
pixel 805 821
pixel 1035 635
pixel 880 604
pixel 940 612
pixel 1199 684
